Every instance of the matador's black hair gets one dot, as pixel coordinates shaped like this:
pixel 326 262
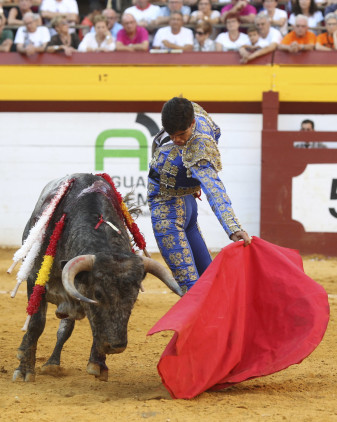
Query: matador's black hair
pixel 177 115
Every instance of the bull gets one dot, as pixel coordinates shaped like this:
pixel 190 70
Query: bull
pixel 95 274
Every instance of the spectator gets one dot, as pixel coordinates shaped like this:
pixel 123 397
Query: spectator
pixel 268 36
pixel 101 40
pixel 300 39
pixel 132 37
pixel 2 14
pixel 278 18
pixel 51 8
pixel 254 39
pixel 205 13
pixel 113 25
pixel 328 40
pixel 16 13
pixel 233 39
pixel 202 41
pixel 191 3
pixel 331 7
pixel 255 48
pixel 88 20
pixel 307 8
pixel 31 38
pixel 6 37
pixel 145 13
pixel 63 40
pixel 173 6
pixel 245 11
pixel 308 125
pixel 174 36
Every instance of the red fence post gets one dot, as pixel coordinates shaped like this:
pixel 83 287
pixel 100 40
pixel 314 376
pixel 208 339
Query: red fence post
pixel 314 204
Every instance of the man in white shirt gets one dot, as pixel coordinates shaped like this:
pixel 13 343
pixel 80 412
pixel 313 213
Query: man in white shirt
pixel 31 38
pixel 175 36
pixel 268 35
pixel 49 9
pixel 144 12
pixel 268 40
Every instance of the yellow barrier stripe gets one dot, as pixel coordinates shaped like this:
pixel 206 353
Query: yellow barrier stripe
pixel 157 83
pixel 132 83
pixel 299 83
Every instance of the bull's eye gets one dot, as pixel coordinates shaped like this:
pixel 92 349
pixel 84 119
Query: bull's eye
pixel 98 295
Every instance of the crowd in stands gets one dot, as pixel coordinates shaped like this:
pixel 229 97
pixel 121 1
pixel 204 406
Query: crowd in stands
pixel 253 28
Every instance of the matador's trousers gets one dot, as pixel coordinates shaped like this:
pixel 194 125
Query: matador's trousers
pixel 179 238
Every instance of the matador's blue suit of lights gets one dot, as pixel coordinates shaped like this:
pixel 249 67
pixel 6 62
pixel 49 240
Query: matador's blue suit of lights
pixel 176 175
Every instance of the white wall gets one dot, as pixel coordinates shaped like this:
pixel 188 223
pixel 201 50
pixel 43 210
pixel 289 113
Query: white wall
pixel 292 122
pixel 37 147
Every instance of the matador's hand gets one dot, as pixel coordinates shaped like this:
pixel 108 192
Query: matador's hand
pixel 241 235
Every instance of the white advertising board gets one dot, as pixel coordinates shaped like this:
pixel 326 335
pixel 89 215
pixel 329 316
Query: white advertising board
pixel 38 147
pixel 314 198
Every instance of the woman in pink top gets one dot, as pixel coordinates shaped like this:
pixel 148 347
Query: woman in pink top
pixel 132 37
pixel 245 11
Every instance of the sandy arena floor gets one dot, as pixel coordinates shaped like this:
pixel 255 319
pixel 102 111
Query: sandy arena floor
pixel 305 392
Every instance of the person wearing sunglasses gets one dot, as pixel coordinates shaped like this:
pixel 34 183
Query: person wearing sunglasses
pixel 63 40
pixel 31 38
pixel 202 40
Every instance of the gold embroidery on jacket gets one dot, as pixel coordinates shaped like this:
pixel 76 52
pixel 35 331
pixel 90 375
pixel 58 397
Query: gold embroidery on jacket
pixel 200 149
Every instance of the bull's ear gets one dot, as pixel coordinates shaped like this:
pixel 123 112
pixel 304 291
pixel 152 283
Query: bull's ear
pixel 63 263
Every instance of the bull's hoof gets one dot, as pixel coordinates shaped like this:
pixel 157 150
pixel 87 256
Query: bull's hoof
pixel 104 375
pixel 19 376
pixel 30 377
pixel 100 373
pixel 49 369
pixel 94 369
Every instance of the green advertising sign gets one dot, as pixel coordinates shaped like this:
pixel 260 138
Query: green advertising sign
pixel 140 153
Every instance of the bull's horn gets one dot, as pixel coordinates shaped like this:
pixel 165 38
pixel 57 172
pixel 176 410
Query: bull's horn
pixel 73 267
pixel 156 268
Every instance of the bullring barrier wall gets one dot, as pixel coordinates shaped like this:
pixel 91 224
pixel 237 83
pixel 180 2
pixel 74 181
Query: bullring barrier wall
pixel 98 112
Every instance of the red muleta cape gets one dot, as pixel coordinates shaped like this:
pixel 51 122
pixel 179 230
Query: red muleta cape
pixel 252 313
